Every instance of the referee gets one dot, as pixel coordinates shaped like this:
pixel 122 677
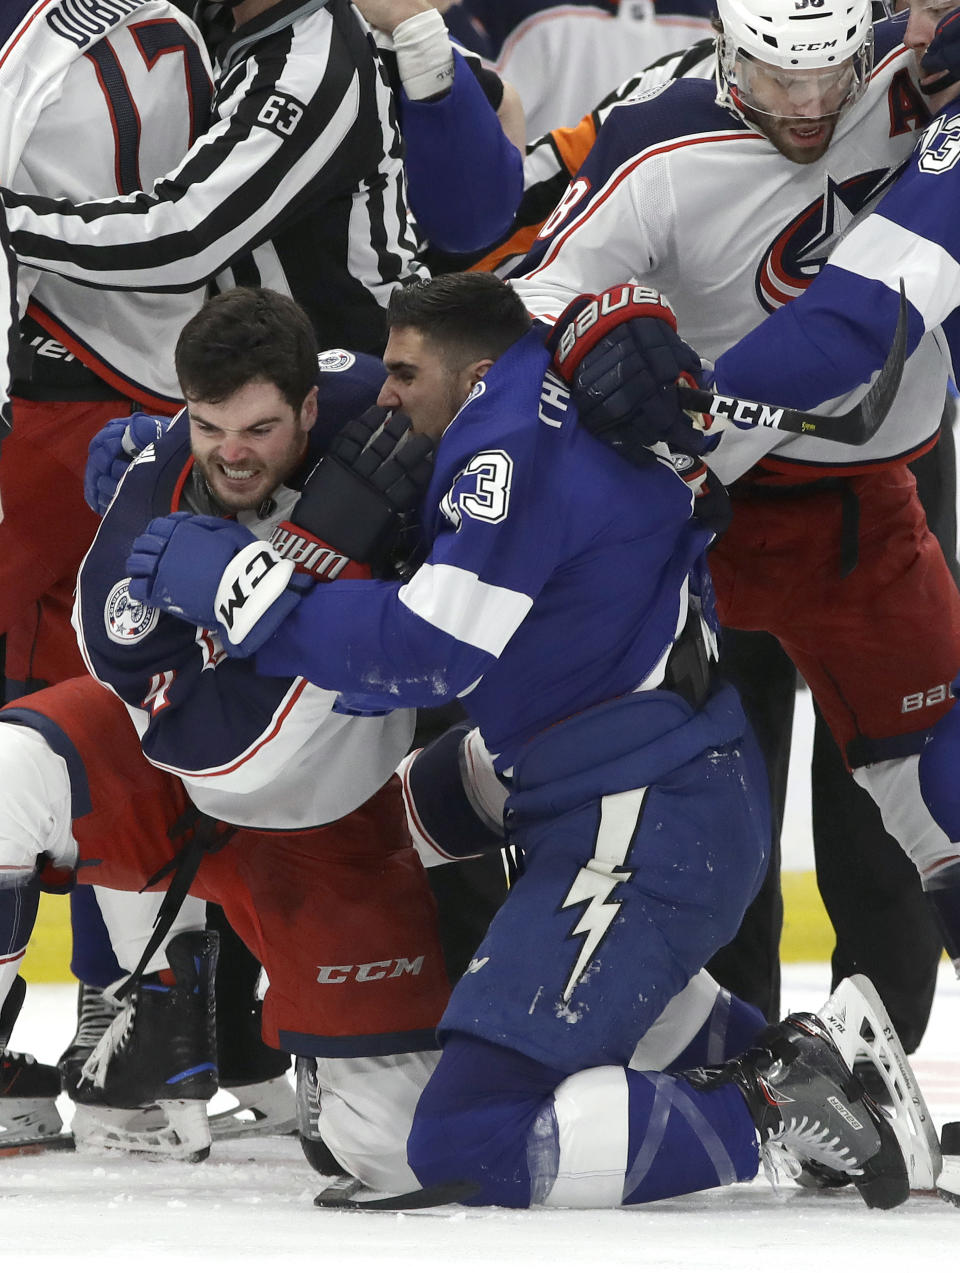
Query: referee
pixel 297 183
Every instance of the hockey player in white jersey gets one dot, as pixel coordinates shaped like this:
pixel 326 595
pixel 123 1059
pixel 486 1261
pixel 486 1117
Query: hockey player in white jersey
pixel 149 71
pixel 731 206
pixel 335 855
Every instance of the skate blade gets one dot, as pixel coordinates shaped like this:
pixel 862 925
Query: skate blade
pixel 27 1118
pixel 262 1109
pixel 860 1027
pixel 168 1130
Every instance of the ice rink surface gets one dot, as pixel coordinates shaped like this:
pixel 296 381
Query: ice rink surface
pixel 250 1205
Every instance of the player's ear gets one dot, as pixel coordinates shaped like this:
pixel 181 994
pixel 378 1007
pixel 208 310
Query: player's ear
pixel 308 410
pixel 476 371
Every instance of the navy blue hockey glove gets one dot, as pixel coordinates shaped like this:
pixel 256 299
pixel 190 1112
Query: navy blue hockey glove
pixel 215 573
pixel 941 62
pixel 111 451
pixel 621 356
pixel 355 502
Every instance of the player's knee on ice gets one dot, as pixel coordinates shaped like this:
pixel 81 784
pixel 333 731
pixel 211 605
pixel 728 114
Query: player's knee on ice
pixel 528 1135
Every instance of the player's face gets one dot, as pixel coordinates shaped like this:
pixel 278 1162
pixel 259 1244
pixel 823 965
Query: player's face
pixel 248 444
pixel 422 381
pixel 796 109
pixel 921 25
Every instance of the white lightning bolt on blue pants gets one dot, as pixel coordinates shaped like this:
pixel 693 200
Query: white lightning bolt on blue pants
pixel 627 891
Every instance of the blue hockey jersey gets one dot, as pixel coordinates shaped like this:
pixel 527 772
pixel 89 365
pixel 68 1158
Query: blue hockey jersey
pixel 556 577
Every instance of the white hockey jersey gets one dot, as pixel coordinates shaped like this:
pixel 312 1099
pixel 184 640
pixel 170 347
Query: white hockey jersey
pixel 682 194
pixel 97 98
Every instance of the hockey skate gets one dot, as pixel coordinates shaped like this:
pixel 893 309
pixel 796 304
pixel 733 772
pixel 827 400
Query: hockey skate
pixel 809 1110
pixel 144 1088
pixel 94 1014
pixel 28 1090
pixel 863 1033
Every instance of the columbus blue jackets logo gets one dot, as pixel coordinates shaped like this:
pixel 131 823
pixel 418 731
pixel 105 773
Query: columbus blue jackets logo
pixel 799 252
pixel 127 621
pixel 336 360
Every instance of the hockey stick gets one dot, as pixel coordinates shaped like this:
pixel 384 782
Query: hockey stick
pixel 856 426
pixel 340 1197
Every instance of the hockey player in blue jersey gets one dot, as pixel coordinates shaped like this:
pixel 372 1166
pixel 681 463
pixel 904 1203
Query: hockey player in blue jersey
pixel 564 600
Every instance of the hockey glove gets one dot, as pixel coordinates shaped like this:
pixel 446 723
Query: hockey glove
pixel 212 572
pixel 621 355
pixel 354 502
pixel 942 55
pixel 111 451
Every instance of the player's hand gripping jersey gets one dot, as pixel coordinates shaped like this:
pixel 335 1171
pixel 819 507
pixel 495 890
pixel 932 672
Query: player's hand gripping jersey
pixel 267 752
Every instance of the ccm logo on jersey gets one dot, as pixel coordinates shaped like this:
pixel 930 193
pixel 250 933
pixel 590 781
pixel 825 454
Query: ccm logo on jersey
pixel 380 969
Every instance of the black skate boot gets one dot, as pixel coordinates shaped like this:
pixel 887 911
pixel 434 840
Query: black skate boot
pixel 94 1015
pixel 810 1110
pixel 145 1085
pixel 28 1090
pixel 252 1073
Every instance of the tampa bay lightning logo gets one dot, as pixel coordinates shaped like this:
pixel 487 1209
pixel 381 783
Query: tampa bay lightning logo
pixel 799 252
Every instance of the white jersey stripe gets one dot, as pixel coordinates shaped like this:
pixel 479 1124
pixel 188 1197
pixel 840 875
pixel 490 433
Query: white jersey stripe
pixel 460 604
pixel 886 252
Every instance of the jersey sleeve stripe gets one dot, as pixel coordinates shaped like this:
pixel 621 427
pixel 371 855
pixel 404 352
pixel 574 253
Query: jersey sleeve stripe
pixel 283 711
pixel 464 607
pixel 888 251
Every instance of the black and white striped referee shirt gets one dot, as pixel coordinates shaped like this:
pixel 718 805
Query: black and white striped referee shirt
pixel 297 185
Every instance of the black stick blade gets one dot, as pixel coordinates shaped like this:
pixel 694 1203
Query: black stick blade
pixel 336 1199
pixel 856 426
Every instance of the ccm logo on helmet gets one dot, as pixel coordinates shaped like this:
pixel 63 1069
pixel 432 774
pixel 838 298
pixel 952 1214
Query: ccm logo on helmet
pixel 334 974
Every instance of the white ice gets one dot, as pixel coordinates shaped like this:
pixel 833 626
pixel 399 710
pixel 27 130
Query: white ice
pixel 251 1203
